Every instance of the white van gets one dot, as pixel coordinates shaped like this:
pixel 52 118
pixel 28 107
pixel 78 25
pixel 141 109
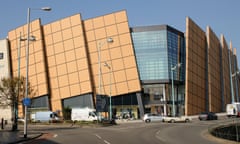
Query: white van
pixel 233 109
pixel 83 114
pixel 44 116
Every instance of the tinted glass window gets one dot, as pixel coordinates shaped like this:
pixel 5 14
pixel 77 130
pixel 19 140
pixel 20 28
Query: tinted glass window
pixel 1 55
pixel 151 53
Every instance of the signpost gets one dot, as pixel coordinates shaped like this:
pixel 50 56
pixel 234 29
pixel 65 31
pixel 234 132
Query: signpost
pixel 27 102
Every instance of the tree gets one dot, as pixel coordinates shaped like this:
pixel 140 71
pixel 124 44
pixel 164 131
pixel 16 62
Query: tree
pixel 67 113
pixel 12 91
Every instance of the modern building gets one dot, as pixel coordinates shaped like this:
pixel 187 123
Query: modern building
pixel 102 63
pixel 158 49
pixel 64 61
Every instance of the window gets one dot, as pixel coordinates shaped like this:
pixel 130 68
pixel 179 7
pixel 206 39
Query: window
pixel 157 96
pixel 1 56
pixel 151 54
pixel 146 97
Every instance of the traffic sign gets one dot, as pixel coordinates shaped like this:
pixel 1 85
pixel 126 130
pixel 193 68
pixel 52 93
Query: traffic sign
pixel 26 101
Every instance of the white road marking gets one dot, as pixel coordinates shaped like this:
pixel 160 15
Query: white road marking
pixel 107 142
pixel 98 136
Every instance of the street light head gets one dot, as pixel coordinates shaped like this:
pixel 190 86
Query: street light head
pixel 238 72
pixel 32 38
pixel 179 65
pixel 107 65
pixel 23 39
pixel 110 40
pixel 46 9
pixel 176 66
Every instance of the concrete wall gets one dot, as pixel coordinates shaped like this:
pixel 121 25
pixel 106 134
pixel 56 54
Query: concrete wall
pixel 5 111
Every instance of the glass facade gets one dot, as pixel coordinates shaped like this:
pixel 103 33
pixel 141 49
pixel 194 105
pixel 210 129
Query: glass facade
pixel 79 101
pixel 151 54
pixel 176 54
pixel 158 50
pixel 40 103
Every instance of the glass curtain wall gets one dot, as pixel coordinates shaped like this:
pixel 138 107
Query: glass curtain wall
pixel 151 54
pixel 157 49
pixel 155 99
pixel 176 55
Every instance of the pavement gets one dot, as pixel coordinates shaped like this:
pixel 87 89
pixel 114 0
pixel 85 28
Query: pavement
pixel 7 136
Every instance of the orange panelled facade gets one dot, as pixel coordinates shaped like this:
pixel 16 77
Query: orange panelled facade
pixel 208 65
pixel 195 88
pixel 119 54
pixel 37 63
pixel 69 73
pixel 214 71
pixel 37 71
pixel 225 71
pixel 63 61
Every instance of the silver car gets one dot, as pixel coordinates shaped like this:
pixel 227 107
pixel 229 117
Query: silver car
pixel 150 117
pixel 177 119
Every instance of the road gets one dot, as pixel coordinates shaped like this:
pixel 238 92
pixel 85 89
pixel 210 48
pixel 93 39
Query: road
pixel 132 133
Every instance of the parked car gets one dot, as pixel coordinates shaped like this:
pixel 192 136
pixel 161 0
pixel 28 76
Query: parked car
pixel 150 117
pixel 177 119
pixel 207 116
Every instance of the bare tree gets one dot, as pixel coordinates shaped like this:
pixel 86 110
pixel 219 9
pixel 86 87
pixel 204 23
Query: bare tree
pixel 12 92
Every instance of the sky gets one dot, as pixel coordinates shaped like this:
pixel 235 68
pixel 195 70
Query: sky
pixel 223 16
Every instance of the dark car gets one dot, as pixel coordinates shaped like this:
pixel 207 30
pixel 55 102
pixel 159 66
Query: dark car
pixel 207 116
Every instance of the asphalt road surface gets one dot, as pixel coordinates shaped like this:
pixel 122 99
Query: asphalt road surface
pixel 132 133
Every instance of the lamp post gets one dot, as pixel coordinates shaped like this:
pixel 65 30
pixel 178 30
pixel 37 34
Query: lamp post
pixel 27 63
pixel 15 125
pixel 100 44
pixel 110 89
pixel 173 95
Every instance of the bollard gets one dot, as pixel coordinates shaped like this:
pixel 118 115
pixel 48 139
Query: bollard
pixel 2 123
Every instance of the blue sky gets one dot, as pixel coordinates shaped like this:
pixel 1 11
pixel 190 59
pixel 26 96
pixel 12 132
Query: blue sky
pixel 221 15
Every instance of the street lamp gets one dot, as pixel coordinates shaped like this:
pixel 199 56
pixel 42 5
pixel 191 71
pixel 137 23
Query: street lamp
pixel 32 38
pixel 173 95
pixel 110 89
pixel 27 63
pixel 100 45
